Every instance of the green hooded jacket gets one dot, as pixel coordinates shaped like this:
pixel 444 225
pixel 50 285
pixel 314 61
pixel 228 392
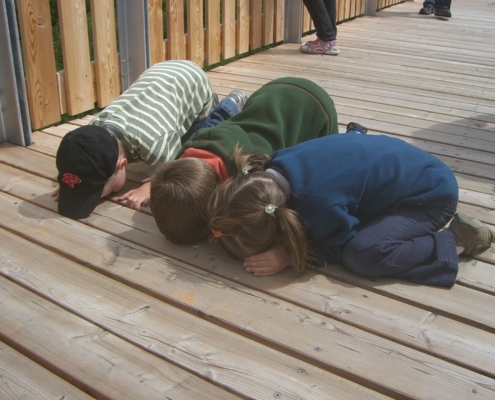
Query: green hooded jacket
pixel 280 114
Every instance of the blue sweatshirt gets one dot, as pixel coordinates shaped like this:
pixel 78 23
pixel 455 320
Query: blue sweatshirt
pixel 340 181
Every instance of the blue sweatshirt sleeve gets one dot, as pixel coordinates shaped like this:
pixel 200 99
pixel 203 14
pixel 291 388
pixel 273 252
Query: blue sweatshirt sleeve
pixel 331 230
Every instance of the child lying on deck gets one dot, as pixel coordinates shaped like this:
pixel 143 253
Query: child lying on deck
pixel 148 122
pixel 374 203
pixel 280 114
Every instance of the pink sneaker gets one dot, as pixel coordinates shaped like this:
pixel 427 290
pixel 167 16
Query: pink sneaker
pixel 319 46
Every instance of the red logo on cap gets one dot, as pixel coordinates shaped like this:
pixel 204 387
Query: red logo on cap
pixel 71 180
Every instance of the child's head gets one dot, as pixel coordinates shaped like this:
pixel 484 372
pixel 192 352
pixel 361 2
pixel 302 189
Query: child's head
pixel 249 215
pixel 179 196
pixel 90 165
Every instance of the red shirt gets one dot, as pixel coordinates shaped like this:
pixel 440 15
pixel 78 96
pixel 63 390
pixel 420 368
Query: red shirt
pixel 212 159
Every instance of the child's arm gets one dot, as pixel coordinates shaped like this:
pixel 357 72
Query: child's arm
pixel 268 263
pixel 137 197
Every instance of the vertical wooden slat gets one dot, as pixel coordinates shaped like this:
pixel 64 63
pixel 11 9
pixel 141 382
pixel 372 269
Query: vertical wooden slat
pixel 352 13
pixel 213 32
pixel 107 68
pixel 256 24
pixel 75 51
pixel 268 23
pixel 228 29
pixel 155 13
pixel 347 9
pixel 306 20
pixel 175 30
pixel 242 26
pixel 195 32
pixel 340 10
pixel 279 20
pixel 39 62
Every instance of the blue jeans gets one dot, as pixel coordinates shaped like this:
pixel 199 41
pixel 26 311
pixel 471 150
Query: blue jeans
pixel 324 16
pixel 225 109
pixel 406 245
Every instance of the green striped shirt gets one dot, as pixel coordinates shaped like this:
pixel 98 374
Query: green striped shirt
pixel 151 116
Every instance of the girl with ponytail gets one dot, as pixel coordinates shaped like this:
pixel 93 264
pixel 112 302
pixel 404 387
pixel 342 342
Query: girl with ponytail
pixel 371 202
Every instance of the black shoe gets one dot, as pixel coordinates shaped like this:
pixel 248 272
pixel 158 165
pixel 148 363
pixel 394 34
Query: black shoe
pixel 354 127
pixel 427 10
pixel 443 12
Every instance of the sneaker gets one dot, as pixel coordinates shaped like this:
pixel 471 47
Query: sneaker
pixel 443 12
pixel 238 97
pixel 428 9
pixel 471 234
pixel 354 127
pixel 319 46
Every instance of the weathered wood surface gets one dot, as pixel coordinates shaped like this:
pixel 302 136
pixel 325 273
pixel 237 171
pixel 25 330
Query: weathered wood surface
pixel 106 307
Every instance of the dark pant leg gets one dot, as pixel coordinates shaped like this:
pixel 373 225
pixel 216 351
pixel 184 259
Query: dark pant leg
pixel 225 109
pixel 406 245
pixel 442 3
pixel 324 15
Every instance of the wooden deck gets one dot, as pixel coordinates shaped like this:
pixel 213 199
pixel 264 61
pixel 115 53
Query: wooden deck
pixel 105 307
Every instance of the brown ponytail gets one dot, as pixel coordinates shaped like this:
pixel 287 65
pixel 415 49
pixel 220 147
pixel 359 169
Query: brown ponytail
pixel 238 217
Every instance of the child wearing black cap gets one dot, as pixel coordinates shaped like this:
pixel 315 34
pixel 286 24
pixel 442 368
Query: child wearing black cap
pixel 148 122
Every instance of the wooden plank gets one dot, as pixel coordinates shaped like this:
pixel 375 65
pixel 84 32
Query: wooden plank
pixel 228 29
pixel 199 346
pixel 89 357
pixel 243 26
pixel 106 65
pixel 75 50
pixel 195 32
pixel 391 367
pixel 213 32
pixel 306 20
pixel 256 24
pixel 39 62
pixel 22 378
pixel 343 302
pixel 155 13
pixel 268 22
pixel 175 30
pixel 279 20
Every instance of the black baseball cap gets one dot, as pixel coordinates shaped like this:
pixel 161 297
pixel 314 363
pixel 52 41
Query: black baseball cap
pixel 86 158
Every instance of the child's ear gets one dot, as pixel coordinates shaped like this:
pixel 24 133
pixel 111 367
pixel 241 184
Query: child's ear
pixel 121 163
pixel 282 226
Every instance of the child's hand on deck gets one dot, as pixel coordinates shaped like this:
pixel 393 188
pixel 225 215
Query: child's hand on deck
pixel 55 194
pixel 268 263
pixel 137 197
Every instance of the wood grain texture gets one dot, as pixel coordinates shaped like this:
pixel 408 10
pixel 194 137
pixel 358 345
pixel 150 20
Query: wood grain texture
pixel 75 50
pixel 39 62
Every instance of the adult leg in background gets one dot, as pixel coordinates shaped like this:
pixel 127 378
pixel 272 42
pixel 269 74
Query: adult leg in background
pixel 324 16
pixel 406 245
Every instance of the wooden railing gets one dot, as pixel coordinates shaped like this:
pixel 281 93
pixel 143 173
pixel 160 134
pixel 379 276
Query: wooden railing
pixel 230 28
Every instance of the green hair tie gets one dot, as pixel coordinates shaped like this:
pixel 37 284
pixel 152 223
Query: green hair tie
pixel 270 209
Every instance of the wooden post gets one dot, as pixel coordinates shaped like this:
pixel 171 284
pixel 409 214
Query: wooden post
pixel 107 68
pixel 39 62
pixel 75 50
pixel 213 32
pixel 242 26
pixel 228 29
pixel 155 13
pixel 175 30
pixel 195 32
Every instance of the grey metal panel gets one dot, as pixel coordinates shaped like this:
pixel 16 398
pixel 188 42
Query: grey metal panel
pixel 134 48
pixel 14 114
pixel 293 21
pixel 370 7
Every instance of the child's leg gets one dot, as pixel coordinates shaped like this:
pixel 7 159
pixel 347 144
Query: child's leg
pixel 228 107
pixel 406 245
